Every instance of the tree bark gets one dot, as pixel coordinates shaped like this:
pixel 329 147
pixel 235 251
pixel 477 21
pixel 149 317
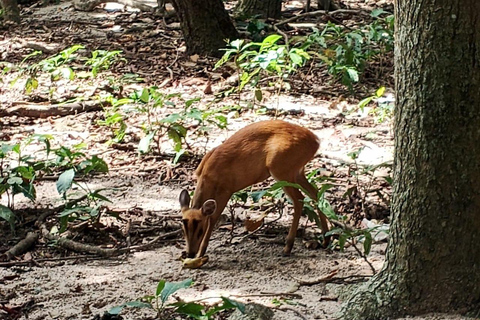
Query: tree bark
pixel 205 25
pixel 12 13
pixel 433 258
pixel 263 9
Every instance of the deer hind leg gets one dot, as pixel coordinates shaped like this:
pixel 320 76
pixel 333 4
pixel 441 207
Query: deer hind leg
pixel 313 192
pixel 296 197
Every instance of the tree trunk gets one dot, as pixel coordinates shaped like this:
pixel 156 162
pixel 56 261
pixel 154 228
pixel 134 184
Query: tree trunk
pixel 433 258
pixel 12 13
pixel 205 25
pixel 263 9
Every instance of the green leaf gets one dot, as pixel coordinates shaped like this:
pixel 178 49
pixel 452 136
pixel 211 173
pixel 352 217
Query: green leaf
pixel 367 242
pixel 191 309
pixel 172 118
pixel 271 39
pixel 96 195
pixel 376 12
pixel 144 144
pixel 116 310
pixel 160 286
pixel 258 95
pixel 352 74
pixel 229 304
pixel 14 180
pixel 257 195
pixel 189 103
pixel 171 287
pixel 364 103
pixel 7 215
pixel 341 240
pixel 144 96
pixel 380 92
pixel 65 181
pixel 67 73
pixel 178 154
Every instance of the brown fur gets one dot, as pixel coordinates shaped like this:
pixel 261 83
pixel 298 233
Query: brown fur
pixel 263 149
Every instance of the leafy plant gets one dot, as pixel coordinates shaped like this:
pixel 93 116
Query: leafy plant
pixel 76 164
pixel 346 52
pixel 257 60
pixel 382 110
pixel 177 125
pixel 18 172
pixel 102 60
pixel 164 310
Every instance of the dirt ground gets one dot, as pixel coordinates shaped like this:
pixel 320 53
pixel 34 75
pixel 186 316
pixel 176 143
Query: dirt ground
pixel 59 284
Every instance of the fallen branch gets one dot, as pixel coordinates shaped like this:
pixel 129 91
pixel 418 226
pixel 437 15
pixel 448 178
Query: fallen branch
pixel 22 246
pixel 268 294
pixel 34 110
pixel 81 247
pixel 77 246
pixel 318 13
pixel 37 261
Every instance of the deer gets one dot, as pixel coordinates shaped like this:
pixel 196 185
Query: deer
pixel 273 148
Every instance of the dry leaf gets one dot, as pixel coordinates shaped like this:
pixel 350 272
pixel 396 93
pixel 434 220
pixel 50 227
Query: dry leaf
pixel 252 225
pixel 194 58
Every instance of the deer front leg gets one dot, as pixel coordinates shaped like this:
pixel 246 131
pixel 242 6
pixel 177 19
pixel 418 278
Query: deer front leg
pixel 221 201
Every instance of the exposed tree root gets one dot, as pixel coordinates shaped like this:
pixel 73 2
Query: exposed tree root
pixel 86 248
pixel 33 110
pixel 77 246
pixel 330 278
pixel 22 246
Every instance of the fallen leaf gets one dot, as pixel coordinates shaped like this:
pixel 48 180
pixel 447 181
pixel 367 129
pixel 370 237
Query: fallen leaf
pixel 252 225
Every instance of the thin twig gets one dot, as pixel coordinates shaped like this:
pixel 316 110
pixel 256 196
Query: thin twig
pixel 363 256
pixel 36 261
pixel 268 294
pixel 320 12
pixel 330 278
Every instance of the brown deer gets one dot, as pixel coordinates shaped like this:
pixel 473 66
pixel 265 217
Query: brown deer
pixel 268 148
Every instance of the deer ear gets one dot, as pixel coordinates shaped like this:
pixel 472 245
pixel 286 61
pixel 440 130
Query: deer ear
pixel 209 207
pixel 184 199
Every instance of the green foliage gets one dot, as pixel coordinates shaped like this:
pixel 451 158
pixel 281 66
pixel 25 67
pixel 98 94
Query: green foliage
pixel 346 52
pixel 176 126
pixel 164 310
pixel 76 163
pixel 311 207
pixel 102 60
pixel 257 60
pixel 61 65
pixel 19 169
pixel 8 215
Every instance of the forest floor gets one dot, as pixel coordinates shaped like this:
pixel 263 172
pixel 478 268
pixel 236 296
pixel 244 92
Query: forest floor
pixel 50 282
